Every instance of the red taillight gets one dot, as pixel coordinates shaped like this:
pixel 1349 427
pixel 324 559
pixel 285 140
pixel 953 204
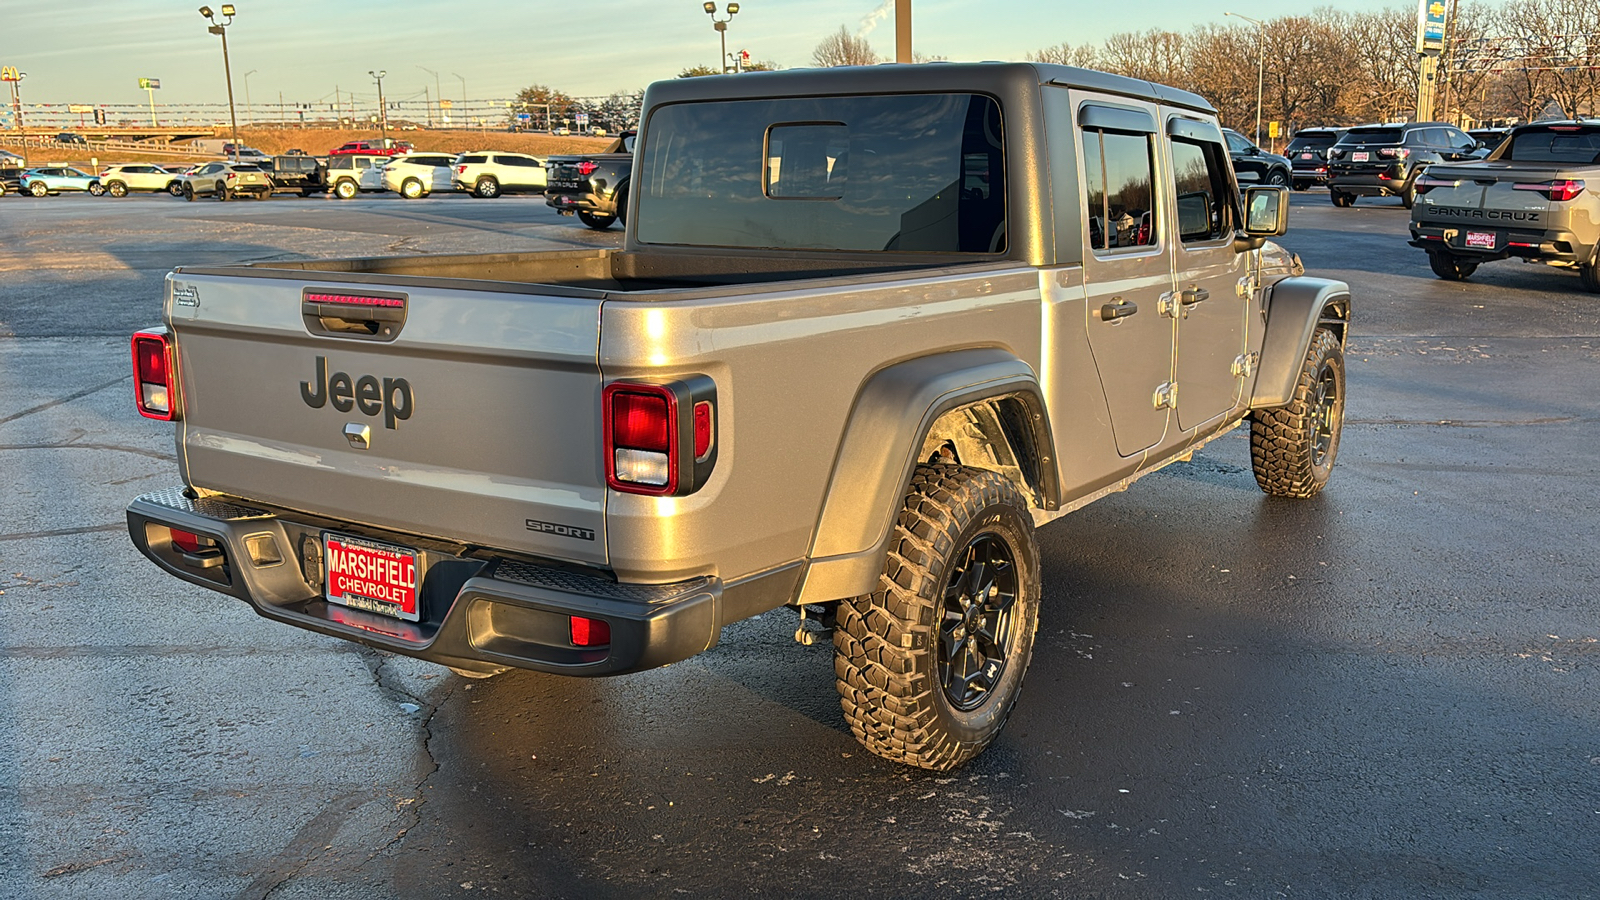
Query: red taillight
pixel 461 170
pixel 186 541
pixel 586 168
pixel 1394 152
pixel 1426 183
pixel 640 440
pixel 1567 189
pixel 590 632
pixel 152 375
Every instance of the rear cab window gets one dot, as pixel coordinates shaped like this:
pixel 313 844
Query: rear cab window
pixel 1567 144
pixel 907 173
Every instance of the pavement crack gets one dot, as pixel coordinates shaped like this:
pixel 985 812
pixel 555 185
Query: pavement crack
pixel 62 532
pixel 308 842
pixel 411 807
pixel 73 445
pixel 67 399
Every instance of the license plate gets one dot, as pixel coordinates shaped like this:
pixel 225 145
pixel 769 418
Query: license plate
pixel 1306 156
pixel 367 575
pixel 1360 156
pixel 1483 239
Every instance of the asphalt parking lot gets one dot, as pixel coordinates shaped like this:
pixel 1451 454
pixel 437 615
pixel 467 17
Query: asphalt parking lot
pixel 1392 690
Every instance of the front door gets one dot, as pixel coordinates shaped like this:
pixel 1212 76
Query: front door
pixel 1210 297
pixel 1127 269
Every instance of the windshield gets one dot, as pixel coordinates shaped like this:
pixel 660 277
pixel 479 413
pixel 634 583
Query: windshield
pixel 1571 144
pixel 1315 141
pixel 915 172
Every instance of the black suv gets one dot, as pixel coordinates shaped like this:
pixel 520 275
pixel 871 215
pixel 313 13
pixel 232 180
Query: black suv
pixel 1254 165
pixel 1384 160
pixel 1308 155
pixel 10 179
pixel 290 172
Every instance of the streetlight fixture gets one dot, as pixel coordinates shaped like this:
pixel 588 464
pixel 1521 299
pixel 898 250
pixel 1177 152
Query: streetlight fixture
pixel 722 27
pixel 15 78
pixel 249 108
pixel 383 111
pixel 463 99
pixel 1261 64
pixel 438 95
pixel 221 29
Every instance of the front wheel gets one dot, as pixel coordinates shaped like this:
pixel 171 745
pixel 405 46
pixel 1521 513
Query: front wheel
pixel 929 665
pixel 1292 448
pixel 597 221
pixel 1449 266
pixel 1277 178
pixel 175 189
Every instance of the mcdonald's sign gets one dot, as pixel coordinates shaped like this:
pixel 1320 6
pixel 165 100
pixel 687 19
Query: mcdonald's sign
pixel 10 73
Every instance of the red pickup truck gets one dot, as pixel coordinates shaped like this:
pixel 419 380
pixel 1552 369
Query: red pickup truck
pixel 379 148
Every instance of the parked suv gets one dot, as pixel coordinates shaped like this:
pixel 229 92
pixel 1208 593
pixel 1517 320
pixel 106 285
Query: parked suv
pixel 1254 165
pixel 225 181
pixel 55 179
pixel 122 180
pixel 1308 155
pixel 1384 160
pixel 490 173
pixel 418 174
pixel 10 178
pixel 351 174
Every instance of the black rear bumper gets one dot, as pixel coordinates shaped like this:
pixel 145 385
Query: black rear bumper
pixel 476 612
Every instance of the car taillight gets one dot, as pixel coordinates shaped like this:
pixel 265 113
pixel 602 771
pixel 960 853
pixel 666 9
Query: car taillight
pixel 1565 189
pixel 1426 183
pixel 587 167
pixel 153 381
pixel 659 438
pixel 461 170
pixel 1394 152
pixel 185 540
pixel 1335 153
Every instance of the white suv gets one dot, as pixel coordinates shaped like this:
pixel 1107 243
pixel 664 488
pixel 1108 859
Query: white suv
pixel 490 173
pixel 350 174
pixel 122 179
pixel 418 174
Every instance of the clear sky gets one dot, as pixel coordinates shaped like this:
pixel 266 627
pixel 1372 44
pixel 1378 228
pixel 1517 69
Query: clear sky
pixel 94 51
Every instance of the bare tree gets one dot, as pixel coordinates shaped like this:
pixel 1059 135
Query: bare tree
pixel 844 49
pixel 1083 56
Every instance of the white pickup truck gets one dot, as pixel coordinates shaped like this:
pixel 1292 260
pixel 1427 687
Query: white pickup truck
pixel 869 329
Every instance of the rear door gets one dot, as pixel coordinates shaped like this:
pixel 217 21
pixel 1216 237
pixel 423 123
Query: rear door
pixel 1127 269
pixel 1206 303
pixel 467 415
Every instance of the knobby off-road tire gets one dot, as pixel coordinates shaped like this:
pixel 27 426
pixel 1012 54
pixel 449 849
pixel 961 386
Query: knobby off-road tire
pixel 1450 267
pixel 929 665
pixel 1292 448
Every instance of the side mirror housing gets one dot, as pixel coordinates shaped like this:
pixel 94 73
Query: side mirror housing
pixel 1266 214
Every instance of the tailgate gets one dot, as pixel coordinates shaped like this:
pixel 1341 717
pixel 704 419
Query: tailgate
pixel 1483 194
pixel 476 420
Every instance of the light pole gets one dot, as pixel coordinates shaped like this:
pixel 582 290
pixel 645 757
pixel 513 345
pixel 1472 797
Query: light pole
pixel 249 108
pixel 383 111
pixel 16 105
pixel 221 29
pixel 437 94
pixel 1261 64
pixel 722 27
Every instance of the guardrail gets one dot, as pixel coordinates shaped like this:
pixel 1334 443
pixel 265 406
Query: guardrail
pixel 107 147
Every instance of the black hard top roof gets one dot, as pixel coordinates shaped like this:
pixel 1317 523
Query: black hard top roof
pixel 997 78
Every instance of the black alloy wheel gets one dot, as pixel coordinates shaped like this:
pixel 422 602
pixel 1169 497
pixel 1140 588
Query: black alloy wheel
pixel 976 627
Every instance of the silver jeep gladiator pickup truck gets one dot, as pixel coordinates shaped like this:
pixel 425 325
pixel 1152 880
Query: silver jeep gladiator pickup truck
pixel 869 328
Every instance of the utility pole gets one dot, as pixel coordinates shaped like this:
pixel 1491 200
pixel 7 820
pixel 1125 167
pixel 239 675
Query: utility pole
pixel 383 110
pixel 902 31
pixel 437 93
pixel 222 30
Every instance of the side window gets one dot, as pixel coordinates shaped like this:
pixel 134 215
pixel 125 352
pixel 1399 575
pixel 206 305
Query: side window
pixel 1237 144
pixel 1461 141
pixel 1201 181
pixel 1119 175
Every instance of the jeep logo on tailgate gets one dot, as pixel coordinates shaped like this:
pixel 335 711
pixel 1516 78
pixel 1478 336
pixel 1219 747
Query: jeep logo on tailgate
pixel 392 397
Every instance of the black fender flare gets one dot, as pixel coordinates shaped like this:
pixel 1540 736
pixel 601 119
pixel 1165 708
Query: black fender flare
pixel 892 414
pixel 1295 308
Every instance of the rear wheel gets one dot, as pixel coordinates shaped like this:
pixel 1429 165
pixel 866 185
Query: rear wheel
pixel 188 191
pixel 411 189
pixel 1450 267
pixel 38 189
pixel 1341 199
pixel 1408 196
pixel 221 193
pixel 929 665
pixel 597 221
pixel 1292 448
pixel 117 189
pixel 1589 272
pixel 487 187
pixel 346 189
pixel 1302 185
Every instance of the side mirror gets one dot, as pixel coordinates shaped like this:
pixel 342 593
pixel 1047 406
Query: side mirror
pixel 1254 151
pixel 1266 214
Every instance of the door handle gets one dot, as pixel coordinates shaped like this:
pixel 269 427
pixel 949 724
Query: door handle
pixel 1118 308
pixel 1194 295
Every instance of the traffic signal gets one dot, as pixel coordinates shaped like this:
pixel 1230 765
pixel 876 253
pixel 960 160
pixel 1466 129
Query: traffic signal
pixel 99 116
